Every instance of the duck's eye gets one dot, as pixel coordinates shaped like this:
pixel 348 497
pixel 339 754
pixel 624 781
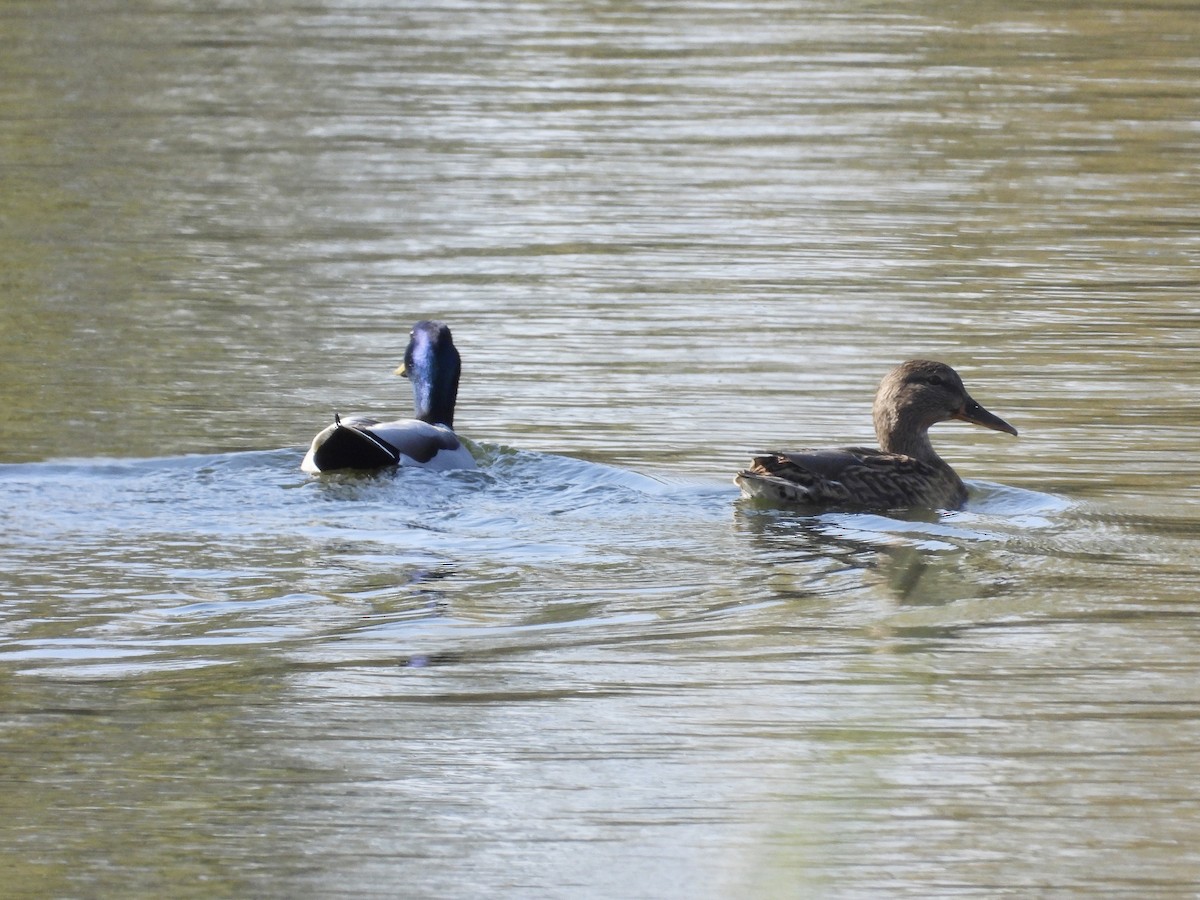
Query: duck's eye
pixel 935 380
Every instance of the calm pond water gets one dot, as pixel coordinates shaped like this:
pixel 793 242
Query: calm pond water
pixel 666 236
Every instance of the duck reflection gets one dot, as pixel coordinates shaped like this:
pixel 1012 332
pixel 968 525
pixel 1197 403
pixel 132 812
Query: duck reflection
pixel 920 557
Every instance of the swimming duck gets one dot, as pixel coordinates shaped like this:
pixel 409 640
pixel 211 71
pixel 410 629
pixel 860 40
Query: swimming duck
pixel 432 364
pixel 905 471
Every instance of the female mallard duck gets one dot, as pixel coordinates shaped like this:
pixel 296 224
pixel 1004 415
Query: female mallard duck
pixel 432 364
pixel 905 471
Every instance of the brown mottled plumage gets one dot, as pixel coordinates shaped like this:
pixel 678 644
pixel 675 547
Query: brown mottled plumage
pixel 904 472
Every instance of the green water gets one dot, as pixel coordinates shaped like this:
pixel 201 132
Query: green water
pixel 666 237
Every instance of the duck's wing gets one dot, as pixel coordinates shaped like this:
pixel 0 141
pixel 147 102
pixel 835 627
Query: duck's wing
pixel 361 443
pixel 421 444
pixel 809 477
pixel 850 478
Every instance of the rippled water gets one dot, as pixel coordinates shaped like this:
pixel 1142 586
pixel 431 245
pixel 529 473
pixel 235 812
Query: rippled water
pixel 666 236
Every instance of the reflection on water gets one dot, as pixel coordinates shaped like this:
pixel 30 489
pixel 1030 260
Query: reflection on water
pixel 666 237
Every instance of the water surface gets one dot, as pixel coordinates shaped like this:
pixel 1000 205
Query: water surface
pixel 666 237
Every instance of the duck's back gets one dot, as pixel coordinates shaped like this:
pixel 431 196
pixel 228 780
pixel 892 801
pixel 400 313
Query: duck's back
pixel 851 478
pixel 359 442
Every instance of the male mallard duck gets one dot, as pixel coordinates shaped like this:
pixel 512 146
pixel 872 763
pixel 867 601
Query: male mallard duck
pixel 432 364
pixel 905 471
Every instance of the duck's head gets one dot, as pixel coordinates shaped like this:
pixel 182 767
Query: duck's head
pixel 917 395
pixel 432 364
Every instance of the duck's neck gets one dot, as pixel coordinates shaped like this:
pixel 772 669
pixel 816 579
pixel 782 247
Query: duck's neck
pixel 435 390
pixel 433 400
pixel 910 438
